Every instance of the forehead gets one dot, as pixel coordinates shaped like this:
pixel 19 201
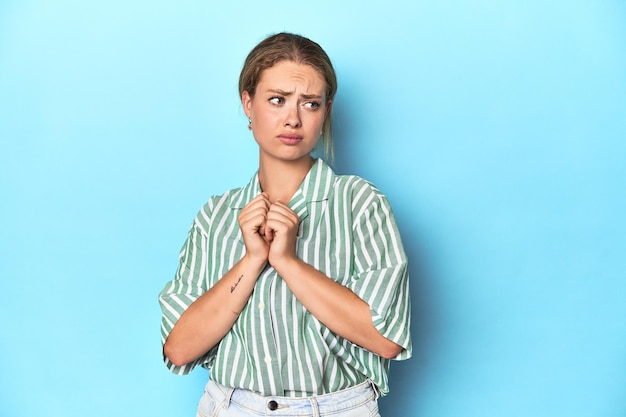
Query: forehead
pixel 287 75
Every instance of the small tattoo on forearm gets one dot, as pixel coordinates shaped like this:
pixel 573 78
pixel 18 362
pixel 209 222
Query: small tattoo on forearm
pixel 236 283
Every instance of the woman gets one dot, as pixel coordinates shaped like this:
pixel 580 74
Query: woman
pixel 292 290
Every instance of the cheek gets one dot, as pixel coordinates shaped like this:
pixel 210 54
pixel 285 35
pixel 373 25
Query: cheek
pixel 319 122
pixel 265 117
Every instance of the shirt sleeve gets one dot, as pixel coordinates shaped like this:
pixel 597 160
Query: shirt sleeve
pixel 188 285
pixel 380 272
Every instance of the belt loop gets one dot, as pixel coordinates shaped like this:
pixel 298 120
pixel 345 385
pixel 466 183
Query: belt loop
pixel 227 396
pixel 375 388
pixel 315 407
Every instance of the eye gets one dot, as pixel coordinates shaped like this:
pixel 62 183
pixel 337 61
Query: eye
pixel 313 105
pixel 277 100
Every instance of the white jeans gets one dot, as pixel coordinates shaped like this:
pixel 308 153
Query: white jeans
pixel 221 401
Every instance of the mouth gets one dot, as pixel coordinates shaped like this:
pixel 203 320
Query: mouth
pixel 290 138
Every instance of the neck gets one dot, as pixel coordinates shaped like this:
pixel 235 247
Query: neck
pixel 280 179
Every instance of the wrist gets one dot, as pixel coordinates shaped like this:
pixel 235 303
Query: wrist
pixel 286 265
pixel 255 262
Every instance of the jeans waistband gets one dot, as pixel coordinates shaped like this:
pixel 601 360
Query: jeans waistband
pixel 324 404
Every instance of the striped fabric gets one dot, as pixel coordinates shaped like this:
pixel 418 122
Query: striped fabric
pixel 276 347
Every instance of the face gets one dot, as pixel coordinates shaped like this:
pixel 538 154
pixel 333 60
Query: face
pixel 287 111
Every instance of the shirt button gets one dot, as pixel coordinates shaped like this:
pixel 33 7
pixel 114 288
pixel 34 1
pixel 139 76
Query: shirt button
pixel 272 405
pixel 261 305
pixel 268 360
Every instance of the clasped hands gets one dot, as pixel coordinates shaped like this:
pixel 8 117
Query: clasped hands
pixel 269 230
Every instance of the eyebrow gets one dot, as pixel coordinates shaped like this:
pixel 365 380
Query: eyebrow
pixel 289 93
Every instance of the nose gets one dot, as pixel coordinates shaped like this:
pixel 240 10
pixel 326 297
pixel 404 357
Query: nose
pixel 292 118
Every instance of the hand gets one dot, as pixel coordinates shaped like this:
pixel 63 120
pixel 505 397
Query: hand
pixel 252 222
pixel 281 228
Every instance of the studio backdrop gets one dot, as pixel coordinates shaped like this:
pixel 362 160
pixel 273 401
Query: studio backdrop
pixel 496 130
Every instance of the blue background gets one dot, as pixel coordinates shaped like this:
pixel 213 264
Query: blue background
pixel 496 129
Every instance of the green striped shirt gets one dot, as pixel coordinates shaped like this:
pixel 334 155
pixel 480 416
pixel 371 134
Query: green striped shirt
pixel 276 347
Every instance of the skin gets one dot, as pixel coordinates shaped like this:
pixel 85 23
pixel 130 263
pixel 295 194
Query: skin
pixel 287 114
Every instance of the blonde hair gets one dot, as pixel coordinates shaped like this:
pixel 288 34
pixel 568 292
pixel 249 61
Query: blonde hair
pixel 295 48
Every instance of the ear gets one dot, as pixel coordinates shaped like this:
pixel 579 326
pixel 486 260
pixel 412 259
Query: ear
pixel 329 105
pixel 246 102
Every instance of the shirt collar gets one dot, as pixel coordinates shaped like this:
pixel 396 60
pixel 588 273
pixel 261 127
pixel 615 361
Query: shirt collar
pixel 315 187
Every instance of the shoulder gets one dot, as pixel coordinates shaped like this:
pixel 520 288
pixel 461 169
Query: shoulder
pixel 361 192
pixel 353 182
pixel 216 207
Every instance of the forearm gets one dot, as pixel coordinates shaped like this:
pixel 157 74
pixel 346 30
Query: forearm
pixel 336 306
pixel 213 314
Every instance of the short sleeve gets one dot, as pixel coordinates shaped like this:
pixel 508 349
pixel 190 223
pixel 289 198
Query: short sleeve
pixel 189 284
pixel 380 271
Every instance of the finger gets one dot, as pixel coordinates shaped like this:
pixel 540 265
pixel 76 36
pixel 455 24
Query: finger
pixel 259 201
pixel 258 206
pixel 253 221
pixel 251 213
pixel 282 213
pixel 282 208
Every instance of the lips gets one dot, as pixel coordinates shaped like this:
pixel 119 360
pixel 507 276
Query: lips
pixel 290 138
